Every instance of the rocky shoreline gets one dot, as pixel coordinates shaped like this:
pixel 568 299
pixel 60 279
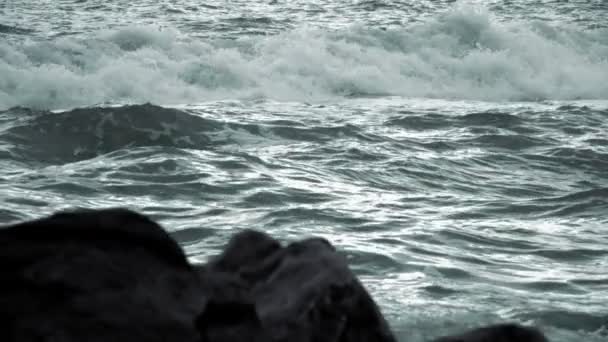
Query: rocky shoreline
pixel 115 275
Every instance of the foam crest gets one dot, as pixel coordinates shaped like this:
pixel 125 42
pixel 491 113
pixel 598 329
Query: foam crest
pixel 462 54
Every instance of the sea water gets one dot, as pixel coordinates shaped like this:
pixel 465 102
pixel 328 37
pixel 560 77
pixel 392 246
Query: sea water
pixel 455 151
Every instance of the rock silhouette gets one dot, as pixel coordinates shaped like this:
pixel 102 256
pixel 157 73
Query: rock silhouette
pixel 115 275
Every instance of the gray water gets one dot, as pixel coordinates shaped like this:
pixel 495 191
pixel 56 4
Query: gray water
pixel 457 152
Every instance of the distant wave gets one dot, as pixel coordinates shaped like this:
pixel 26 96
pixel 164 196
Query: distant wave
pixel 462 54
pixel 87 132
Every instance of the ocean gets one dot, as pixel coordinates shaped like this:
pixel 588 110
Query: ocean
pixel 455 151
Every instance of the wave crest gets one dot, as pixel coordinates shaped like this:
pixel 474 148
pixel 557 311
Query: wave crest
pixel 462 54
pixel 88 132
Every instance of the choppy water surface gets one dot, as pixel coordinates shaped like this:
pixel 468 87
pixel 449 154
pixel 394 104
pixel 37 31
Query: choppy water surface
pixel 456 151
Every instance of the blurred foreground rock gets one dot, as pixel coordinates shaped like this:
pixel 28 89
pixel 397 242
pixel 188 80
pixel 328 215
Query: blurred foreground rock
pixel 114 275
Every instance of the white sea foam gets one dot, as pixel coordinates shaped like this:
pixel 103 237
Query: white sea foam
pixel 463 54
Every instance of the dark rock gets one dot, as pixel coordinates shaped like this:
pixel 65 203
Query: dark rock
pixel 114 275
pixel 95 276
pixel 302 292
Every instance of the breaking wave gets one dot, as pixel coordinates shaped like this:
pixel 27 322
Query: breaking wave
pixel 462 54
